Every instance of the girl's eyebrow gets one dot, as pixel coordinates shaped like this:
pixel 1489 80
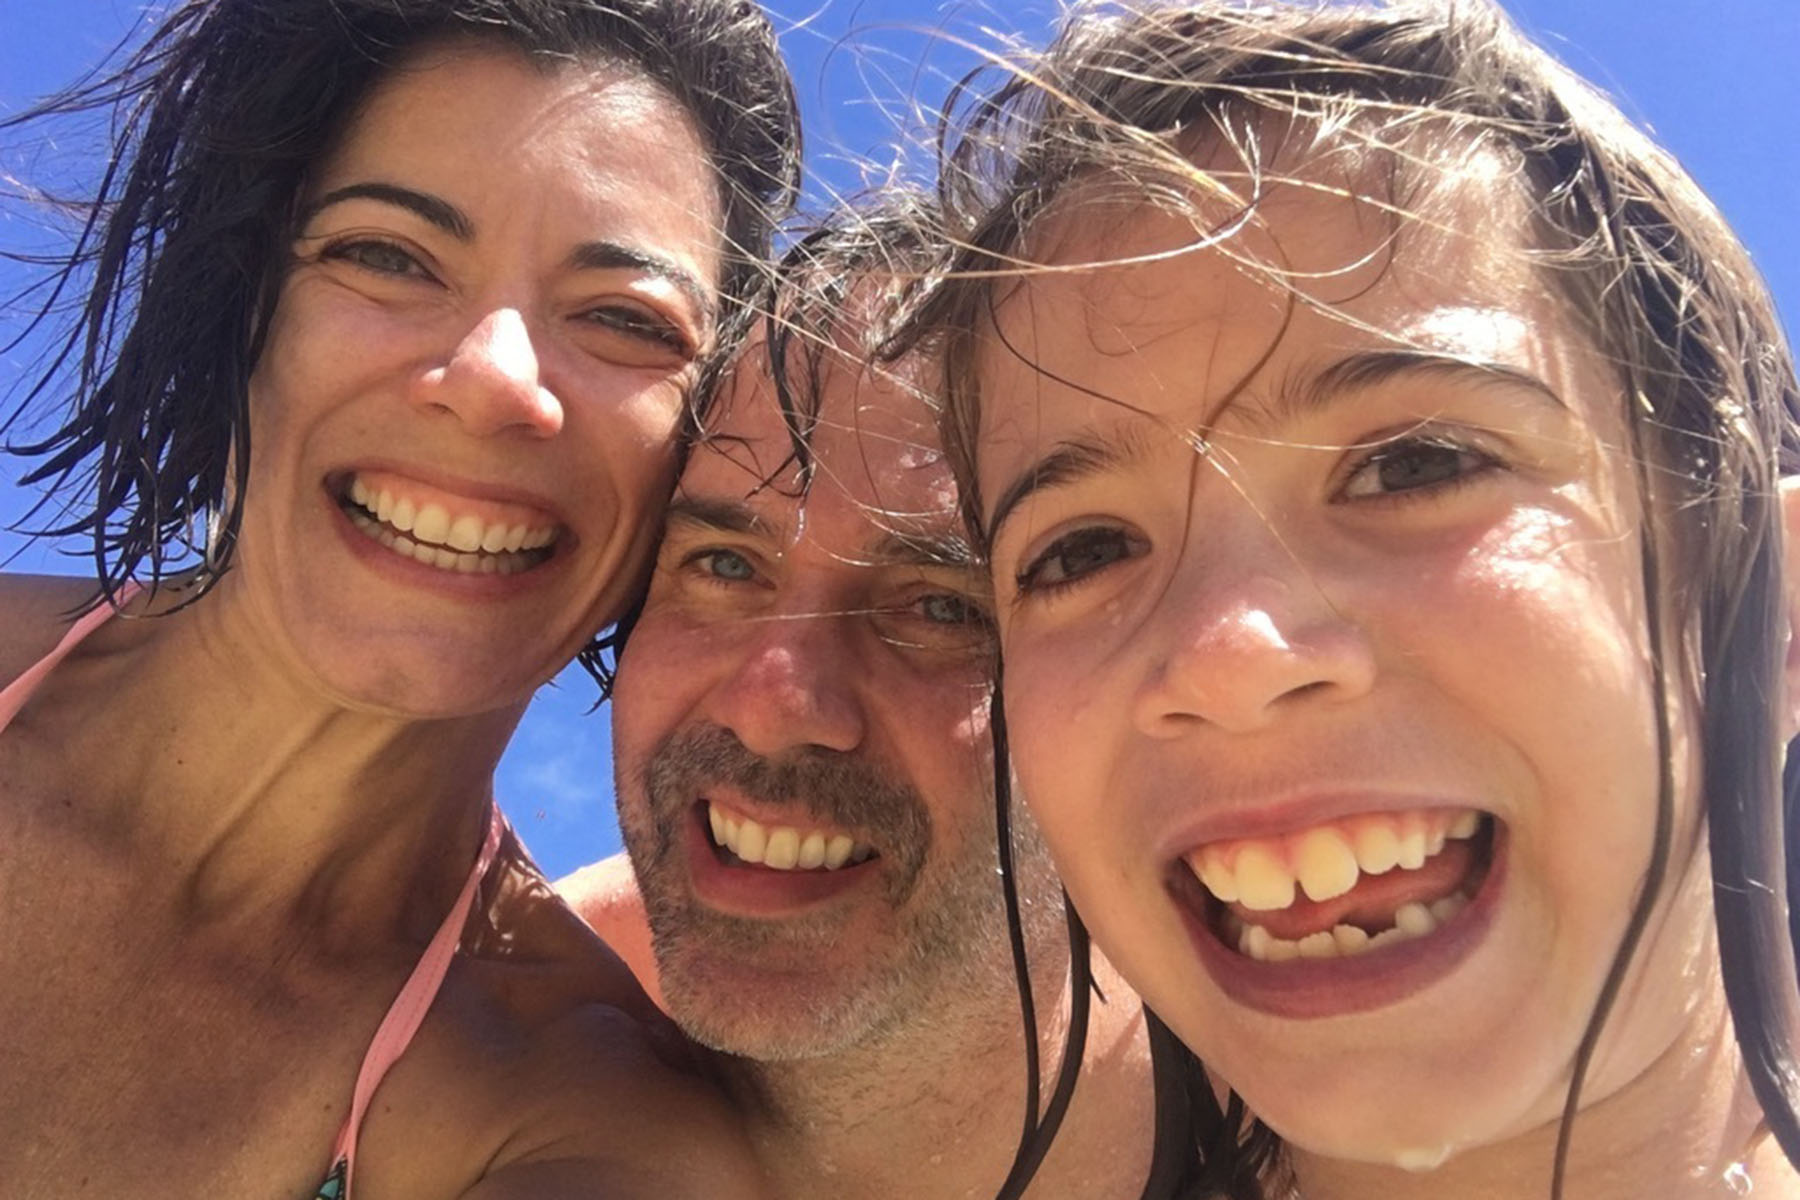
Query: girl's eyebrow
pixel 1086 454
pixel 1094 452
pixel 1371 368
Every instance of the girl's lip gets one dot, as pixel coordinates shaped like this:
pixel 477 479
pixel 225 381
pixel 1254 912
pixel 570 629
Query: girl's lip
pixel 1312 989
pixel 1281 818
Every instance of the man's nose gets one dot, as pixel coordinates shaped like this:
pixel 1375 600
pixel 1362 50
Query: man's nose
pixel 490 382
pixel 797 686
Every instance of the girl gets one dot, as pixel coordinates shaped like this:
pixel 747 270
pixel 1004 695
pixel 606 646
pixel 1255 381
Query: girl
pixel 1378 445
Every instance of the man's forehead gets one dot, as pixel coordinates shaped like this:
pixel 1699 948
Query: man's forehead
pixel 871 437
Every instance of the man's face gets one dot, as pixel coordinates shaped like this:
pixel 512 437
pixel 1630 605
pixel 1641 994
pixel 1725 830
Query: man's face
pixel 801 730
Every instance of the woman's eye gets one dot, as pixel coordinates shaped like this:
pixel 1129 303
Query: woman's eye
pixel 1077 555
pixel 654 331
pixel 1414 465
pixel 726 565
pixel 383 258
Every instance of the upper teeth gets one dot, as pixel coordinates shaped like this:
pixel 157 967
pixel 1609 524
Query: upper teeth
pixel 1262 874
pixel 783 847
pixel 433 524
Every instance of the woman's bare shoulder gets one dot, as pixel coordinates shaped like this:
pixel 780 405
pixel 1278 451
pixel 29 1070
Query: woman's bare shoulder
pixel 549 1057
pixel 35 612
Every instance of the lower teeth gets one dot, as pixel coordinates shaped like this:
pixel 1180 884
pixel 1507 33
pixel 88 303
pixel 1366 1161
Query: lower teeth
pixel 1411 921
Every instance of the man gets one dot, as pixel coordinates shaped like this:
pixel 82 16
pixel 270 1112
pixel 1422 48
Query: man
pixel 804 779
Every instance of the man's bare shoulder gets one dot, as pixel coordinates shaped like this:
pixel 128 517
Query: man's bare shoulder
pixel 605 896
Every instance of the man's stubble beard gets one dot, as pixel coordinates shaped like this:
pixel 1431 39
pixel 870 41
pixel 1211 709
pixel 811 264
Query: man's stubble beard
pixel 803 987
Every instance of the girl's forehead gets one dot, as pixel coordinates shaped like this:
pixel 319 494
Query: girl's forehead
pixel 1179 312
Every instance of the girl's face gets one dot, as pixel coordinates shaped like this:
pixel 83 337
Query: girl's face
pixel 1326 658
pixel 464 419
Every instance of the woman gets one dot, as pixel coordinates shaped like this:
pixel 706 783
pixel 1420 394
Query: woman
pixel 401 302
pixel 1377 445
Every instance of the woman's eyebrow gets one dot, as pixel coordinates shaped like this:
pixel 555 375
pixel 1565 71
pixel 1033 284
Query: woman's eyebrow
pixel 432 209
pixel 612 256
pixel 600 255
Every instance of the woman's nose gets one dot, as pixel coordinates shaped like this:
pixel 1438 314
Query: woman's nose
pixel 491 381
pixel 1239 648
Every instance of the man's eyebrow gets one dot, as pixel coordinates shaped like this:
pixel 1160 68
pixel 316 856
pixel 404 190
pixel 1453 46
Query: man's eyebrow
pixel 922 548
pixel 1073 459
pixel 1371 368
pixel 722 516
pixel 612 256
pixel 432 209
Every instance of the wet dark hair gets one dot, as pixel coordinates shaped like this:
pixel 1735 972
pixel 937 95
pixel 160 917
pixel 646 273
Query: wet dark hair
pixel 217 119
pixel 1643 261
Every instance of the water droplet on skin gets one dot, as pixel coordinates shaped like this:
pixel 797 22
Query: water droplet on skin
pixel 1738 1180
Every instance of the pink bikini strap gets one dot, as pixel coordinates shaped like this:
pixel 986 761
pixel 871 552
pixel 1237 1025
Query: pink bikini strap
pixel 14 695
pixel 409 1007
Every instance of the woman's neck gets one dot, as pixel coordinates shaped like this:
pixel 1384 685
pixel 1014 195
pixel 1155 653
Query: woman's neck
pixel 249 795
pixel 1685 1128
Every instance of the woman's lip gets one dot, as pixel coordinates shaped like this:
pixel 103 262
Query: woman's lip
pixel 1311 989
pixel 452 486
pixel 415 574
pixel 1272 819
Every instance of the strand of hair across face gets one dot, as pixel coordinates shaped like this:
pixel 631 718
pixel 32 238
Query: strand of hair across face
pixel 1018 1177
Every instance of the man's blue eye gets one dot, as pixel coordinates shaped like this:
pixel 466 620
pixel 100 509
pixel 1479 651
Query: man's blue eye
pixel 946 609
pixel 726 564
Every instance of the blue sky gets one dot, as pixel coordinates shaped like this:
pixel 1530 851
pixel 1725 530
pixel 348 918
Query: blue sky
pixel 1713 78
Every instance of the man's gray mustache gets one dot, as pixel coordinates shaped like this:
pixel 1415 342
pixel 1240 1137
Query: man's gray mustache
pixel 827 787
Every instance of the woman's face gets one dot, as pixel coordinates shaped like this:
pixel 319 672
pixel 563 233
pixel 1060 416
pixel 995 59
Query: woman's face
pixel 463 422
pixel 1326 662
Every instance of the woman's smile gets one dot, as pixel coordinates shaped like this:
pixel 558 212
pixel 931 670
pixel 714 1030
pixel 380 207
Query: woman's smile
pixel 446 530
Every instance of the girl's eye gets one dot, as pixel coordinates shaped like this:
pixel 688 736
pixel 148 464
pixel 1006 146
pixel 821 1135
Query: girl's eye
pixel 726 565
pixel 383 258
pixel 1415 465
pixel 1076 555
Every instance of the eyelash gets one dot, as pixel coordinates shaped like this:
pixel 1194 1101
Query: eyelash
pixel 351 251
pixel 1473 462
pixel 636 323
pixel 1477 464
pixel 702 560
pixel 623 319
pixel 977 615
pixel 1030 581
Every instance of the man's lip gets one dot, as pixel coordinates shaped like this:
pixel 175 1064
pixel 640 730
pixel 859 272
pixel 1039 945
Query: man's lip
pixel 1310 989
pixel 766 814
pixel 750 890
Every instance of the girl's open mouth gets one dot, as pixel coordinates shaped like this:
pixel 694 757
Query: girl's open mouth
pixel 1339 889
